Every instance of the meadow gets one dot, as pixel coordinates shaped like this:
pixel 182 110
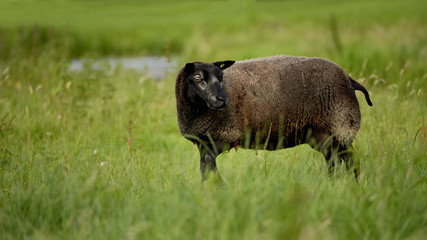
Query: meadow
pixel 97 154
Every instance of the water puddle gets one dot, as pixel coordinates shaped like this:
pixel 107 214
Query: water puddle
pixel 154 67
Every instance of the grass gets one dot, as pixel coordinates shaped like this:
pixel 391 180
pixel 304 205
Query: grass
pixel 97 154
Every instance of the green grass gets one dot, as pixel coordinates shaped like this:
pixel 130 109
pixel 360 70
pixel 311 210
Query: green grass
pixel 97 154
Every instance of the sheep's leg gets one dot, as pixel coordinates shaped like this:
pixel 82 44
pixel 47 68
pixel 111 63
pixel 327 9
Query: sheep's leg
pixel 346 154
pixel 208 156
pixel 323 142
pixel 207 165
pixel 331 156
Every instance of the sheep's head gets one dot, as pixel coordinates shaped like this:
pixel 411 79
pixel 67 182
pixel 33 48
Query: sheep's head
pixel 205 84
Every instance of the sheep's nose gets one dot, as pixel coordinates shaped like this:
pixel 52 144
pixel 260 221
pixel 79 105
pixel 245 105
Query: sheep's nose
pixel 220 98
pixel 223 100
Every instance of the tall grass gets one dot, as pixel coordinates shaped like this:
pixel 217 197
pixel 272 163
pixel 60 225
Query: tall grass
pixel 97 154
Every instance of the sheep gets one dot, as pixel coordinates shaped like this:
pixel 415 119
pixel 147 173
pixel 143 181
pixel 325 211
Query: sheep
pixel 269 103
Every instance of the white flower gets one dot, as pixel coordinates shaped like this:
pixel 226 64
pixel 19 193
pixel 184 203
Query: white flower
pixel 103 164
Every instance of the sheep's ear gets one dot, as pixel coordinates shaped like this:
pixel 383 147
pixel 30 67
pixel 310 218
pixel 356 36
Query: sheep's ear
pixel 189 67
pixel 224 64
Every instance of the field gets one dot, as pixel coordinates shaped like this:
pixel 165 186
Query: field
pixel 97 154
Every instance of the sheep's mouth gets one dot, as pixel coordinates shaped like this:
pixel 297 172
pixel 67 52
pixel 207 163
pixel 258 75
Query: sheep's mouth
pixel 217 109
pixel 218 106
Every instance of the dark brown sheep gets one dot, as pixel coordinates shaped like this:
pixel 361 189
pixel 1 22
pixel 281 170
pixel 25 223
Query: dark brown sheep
pixel 269 103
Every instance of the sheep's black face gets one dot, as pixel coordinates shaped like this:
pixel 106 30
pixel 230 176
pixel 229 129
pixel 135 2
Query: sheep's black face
pixel 205 80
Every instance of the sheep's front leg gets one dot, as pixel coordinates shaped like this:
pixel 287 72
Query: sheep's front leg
pixel 208 154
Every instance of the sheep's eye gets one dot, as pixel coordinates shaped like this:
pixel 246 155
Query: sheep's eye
pixel 197 77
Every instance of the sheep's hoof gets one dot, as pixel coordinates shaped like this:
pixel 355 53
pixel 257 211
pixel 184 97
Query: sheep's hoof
pixel 213 179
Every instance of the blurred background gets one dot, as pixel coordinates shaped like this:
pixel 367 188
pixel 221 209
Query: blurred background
pixel 356 34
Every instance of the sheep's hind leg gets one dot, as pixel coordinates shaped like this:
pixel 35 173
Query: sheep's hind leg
pixel 334 152
pixel 335 155
pixel 327 145
pixel 346 154
pixel 332 159
pixel 208 167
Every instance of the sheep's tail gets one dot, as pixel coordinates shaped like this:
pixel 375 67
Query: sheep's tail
pixel 358 86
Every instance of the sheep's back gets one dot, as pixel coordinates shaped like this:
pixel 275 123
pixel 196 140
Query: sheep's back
pixel 296 90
